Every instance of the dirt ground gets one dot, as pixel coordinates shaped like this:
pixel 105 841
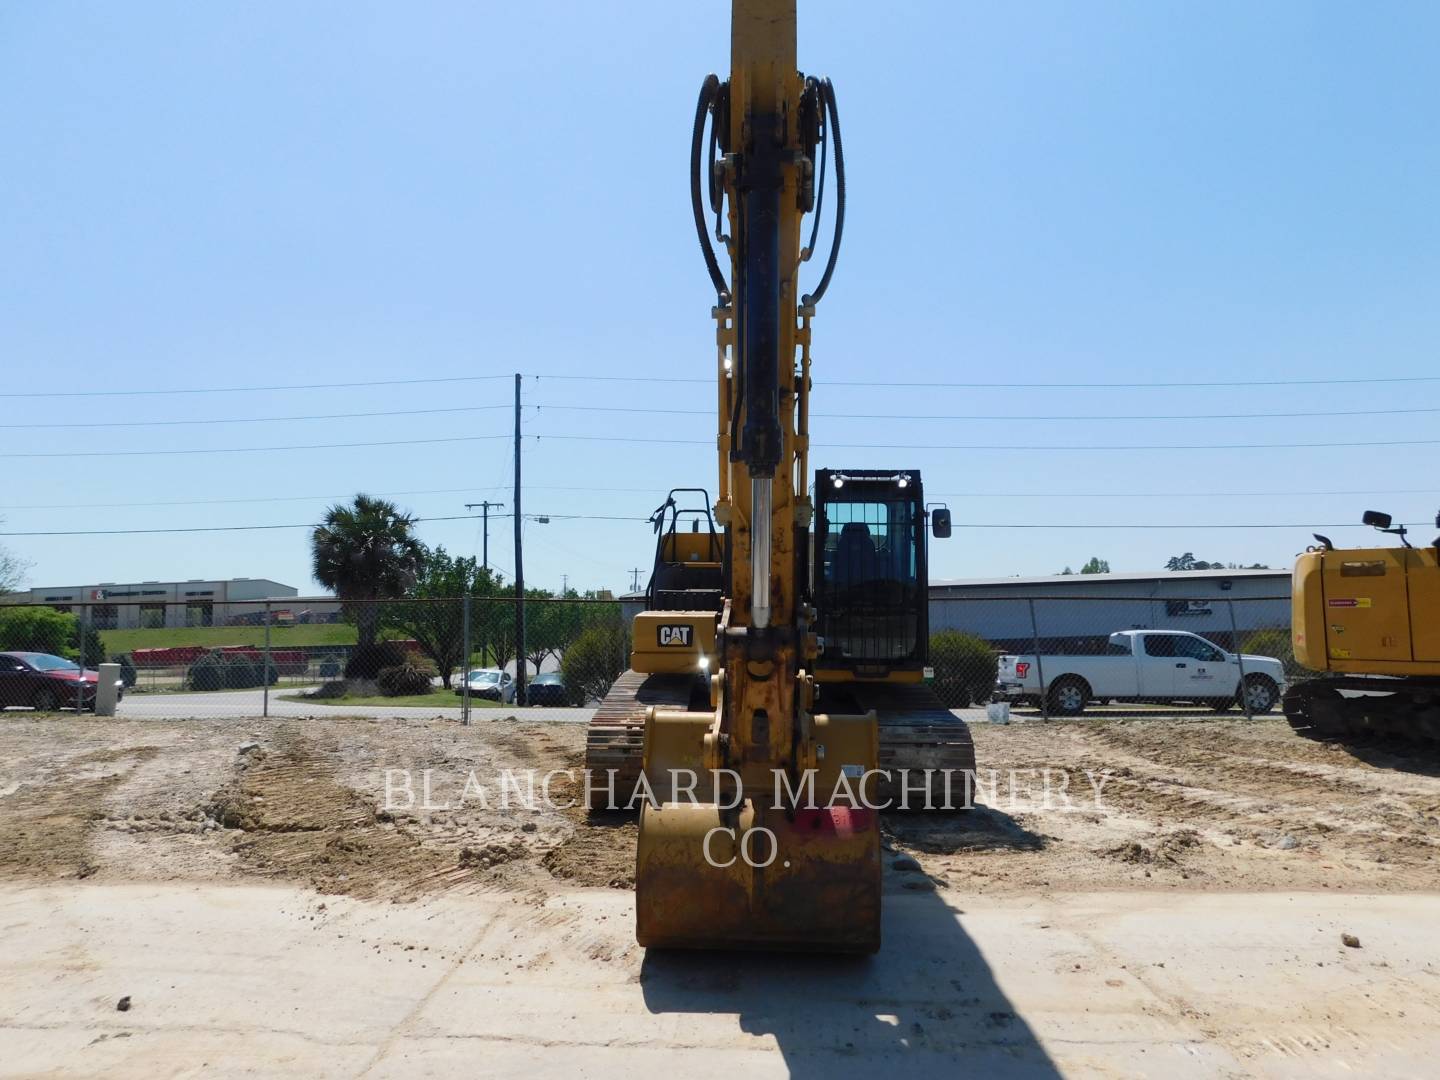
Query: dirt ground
pixel 1188 805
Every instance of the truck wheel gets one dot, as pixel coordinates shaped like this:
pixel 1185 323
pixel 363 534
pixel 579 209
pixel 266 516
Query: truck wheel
pixel 1261 694
pixel 1068 696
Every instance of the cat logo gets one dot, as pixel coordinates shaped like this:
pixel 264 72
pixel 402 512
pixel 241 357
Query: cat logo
pixel 675 634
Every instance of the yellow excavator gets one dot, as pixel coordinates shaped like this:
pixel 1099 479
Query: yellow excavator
pixel 1369 618
pixel 775 699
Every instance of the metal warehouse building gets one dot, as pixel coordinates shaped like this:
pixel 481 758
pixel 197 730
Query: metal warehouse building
pixel 1076 613
pixel 152 604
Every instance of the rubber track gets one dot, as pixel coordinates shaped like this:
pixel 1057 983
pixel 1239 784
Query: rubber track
pixel 917 732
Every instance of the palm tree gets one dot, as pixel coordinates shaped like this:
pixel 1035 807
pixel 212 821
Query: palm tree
pixel 366 552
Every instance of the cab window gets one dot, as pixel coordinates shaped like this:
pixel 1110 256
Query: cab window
pixel 1160 645
pixel 1197 650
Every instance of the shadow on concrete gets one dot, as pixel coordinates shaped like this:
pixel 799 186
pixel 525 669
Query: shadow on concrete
pixel 928 1001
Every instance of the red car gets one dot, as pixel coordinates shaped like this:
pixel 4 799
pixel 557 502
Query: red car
pixel 45 682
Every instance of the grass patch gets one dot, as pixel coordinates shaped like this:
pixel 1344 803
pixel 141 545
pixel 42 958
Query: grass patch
pixel 210 637
pixel 436 699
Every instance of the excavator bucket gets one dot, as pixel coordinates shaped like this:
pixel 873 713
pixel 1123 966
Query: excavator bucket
pixel 729 870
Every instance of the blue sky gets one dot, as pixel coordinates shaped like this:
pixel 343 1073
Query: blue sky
pixel 201 196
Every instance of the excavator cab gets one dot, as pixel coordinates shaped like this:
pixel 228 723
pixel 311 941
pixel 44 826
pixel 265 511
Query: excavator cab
pixel 869 576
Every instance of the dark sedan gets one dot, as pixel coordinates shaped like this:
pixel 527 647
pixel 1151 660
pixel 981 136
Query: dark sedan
pixel 547 689
pixel 45 682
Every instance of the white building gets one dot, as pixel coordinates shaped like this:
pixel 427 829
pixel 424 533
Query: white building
pixel 1078 612
pixel 111 605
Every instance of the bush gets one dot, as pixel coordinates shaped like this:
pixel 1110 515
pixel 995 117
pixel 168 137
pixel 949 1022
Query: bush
pixel 367 661
pixel 337 688
pixel 594 660
pixel 38 629
pixel 128 675
pixel 226 671
pixel 965 668
pixel 405 680
pixel 1276 642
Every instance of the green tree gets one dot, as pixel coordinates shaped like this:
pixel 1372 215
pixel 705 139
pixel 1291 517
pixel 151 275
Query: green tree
pixel 436 619
pixel 1096 565
pixel 12 570
pixel 1189 562
pixel 366 552
pixel 594 660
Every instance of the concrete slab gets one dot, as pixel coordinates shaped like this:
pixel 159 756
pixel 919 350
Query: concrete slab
pixel 275 980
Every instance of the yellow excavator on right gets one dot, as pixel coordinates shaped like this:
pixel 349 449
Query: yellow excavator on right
pixel 1369 619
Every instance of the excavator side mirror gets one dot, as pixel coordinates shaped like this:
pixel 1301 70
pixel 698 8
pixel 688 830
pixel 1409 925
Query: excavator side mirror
pixel 1376 519
pixel 940 523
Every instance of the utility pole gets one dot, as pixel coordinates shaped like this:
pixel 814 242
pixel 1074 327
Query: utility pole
pixel 519 564
pixel 635 579
pixel 564 584
pixel 485 513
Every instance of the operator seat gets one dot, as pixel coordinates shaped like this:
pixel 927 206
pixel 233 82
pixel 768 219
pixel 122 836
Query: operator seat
pixel 856 560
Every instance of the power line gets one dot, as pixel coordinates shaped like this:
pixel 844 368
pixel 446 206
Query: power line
pixel 1195 526
pixel 251 449
pixel 868 384
pixel 130 504
pixel 305 525
pixel 1068 417
pixel 1014 447
pixel 259 419
pixel 248 389
pixel 652 411
pixel 1366 493
pixel 936 385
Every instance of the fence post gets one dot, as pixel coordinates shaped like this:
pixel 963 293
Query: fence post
pixel 265 671
pixel 1039 665
pixel 465 659
pixel 80 686
pixel 1239 660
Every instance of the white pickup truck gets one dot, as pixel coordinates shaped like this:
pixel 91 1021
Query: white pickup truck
pixel 1159 666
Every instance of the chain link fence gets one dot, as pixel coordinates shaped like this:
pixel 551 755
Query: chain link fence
pixel 294 656
pixel 1069 655
pixel 1046 655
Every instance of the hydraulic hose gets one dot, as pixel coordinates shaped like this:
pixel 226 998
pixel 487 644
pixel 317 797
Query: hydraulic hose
pixel 709 91
pixel 809 249
pixel 827 94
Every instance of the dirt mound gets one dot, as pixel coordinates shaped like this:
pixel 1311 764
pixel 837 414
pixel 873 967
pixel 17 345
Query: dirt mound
pixel 495 853
pixel 1170 848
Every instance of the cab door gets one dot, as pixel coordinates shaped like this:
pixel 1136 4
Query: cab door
pixel 1206 672
pixel 1423 572
pixel 1158 666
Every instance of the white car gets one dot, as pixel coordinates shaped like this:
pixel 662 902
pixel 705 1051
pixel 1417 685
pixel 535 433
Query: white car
pixel 491 683
pixel 1160 666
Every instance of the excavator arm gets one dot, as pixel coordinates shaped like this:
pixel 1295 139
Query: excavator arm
pixel 758 834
